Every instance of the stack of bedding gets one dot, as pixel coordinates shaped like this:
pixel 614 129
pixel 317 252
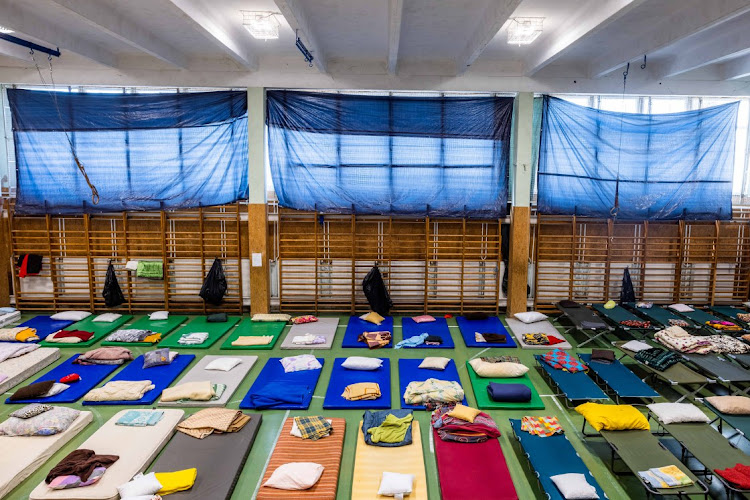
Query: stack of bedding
pixel 18 334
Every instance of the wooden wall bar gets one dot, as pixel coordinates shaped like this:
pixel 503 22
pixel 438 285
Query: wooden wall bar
pixel 428 265
pixel 687 261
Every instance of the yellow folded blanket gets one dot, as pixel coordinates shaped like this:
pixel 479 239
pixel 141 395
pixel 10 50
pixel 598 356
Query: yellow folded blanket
pixel 18 334
pixel 253 340
pixel 172 482
pixel 361 391
pixel 194 391
pixel 153 339
pixel 120 390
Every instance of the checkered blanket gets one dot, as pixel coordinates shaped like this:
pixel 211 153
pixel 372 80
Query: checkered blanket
pixel 561 360
pixel 541 426
pixel 314 427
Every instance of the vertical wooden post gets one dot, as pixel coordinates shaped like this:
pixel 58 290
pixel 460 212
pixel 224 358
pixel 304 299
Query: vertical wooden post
pixel 89 260
pixel 52 266
pixel 5 265
pixel 260 298
pixel 715 262
pixel 353 244
pixel 164 224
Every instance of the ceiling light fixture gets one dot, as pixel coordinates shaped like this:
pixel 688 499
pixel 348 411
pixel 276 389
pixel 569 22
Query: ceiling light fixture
pixel 524 30
pixel 261 25
pixel 5 30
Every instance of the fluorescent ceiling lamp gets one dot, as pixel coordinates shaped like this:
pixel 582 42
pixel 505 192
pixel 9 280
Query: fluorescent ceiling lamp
pixel 524 30
pixel 5 30
pixel 261 25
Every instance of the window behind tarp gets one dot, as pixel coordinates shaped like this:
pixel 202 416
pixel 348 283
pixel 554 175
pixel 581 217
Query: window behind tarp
pixel 436 156
pixel 666 166
pixel 141 152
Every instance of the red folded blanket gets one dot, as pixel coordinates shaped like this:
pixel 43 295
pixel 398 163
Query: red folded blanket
pixel 79 334
pixel 739 475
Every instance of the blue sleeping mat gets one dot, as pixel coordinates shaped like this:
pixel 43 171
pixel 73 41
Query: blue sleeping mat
pixel 273 373
pixel 438 327
pixel 622 381
pixel 575 386
pixel 45 325
pixel 356 326
pixel 161 376
pixel 469 327
pixel 550 456
pixel 91 375
pixel 341 377
pixel 409 371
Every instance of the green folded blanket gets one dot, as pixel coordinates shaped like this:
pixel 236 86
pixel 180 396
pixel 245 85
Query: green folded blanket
pixel 152 269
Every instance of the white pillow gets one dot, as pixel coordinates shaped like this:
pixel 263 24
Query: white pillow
pixel 284 318
pixel 676 413
pixel 530 317
pixel 56 389
pixel 362 363
pixel 394 484
pixel 223 364
pixel 295 476
pixel 434 363
pixel 300 363
pixel 158 315
pixel 71 315
pixel 682 308
pixel 635 346
pixel 140 485
pixel 574 486
pixel 131 265
pixel 107 318
pixel 498 370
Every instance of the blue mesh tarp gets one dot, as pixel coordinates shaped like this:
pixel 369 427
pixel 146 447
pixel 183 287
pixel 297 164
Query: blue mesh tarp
pixel 140 151
pixel 339 153
pixel 670 166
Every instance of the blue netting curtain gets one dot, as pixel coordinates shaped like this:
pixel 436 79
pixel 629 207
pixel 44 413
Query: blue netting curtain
pixel 141 152
pixel 671 166
pixel 339 153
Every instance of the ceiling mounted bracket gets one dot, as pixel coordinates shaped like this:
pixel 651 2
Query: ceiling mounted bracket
pixel 30 45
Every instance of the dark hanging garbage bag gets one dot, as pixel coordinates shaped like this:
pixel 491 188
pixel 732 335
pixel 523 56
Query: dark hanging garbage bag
pixel 627 294
pixel 376 292
pixel 112 293
pixel 215 285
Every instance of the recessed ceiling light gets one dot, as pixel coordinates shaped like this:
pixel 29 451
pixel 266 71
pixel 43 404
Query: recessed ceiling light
pixel 524 30
pixel 5 30
pixel 261 25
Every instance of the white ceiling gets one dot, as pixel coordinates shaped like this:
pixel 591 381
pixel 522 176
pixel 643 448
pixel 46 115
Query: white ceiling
pixel 690 45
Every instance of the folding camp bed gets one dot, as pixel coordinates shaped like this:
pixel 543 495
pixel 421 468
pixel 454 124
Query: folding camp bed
pixel 357 326
pixel 160 376
pixel 742 359
pixel 485 402
pixel 163 326
pixel 371 461
pixel 409 371
pixel 218 457
pixel 250 328
pixel 98 328
pixel 472 470
pixel 576 387
pixel 136 447
pixel 9 317
pixel 272 373
pixel 720 369
pixel 677 375
pixel 700 317
pixel 660 315
pixel 640 450
pixel 618 314
pixel 326 452
pixel 621 381
pixel 730 312
pixel 342 377
pixel 23 455
pixel 439 327
pixel 584 321
pixel 215 332
pixel 519 328
pixel 550 456
pixel 470 327
pixel 90 375
pixel 325 327
pixel 45 325
pixel 740 423
pixel 231 379
pixel 22 367
pixel 707 446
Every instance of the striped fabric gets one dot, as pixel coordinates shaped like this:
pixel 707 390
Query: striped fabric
pixel 326 452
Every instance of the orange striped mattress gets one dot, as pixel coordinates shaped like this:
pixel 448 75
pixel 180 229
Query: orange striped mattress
pixel 326 452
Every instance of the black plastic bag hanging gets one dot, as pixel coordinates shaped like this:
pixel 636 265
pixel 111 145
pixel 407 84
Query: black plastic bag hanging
pixel 627 294
pixel 112 293
pixel 215 285
pixel 376 292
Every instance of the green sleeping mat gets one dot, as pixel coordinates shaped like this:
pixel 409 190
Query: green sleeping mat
pixel 249 328
pixel 484 402
pixel 215 332
pixel 163 326
pixel 99 329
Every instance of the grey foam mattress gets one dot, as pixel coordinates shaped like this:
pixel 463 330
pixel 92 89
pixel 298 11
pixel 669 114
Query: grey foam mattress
pixel 219 459
pixel 519 328
pixel 232 379
pixel 324 326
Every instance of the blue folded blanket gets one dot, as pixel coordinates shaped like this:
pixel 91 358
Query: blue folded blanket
pixel 375 418
pixel 509 393
pixel 279 393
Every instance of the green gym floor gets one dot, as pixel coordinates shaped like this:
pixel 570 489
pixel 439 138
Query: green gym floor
pixel 593 451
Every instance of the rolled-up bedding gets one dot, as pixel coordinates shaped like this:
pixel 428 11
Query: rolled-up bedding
pixel 509 393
